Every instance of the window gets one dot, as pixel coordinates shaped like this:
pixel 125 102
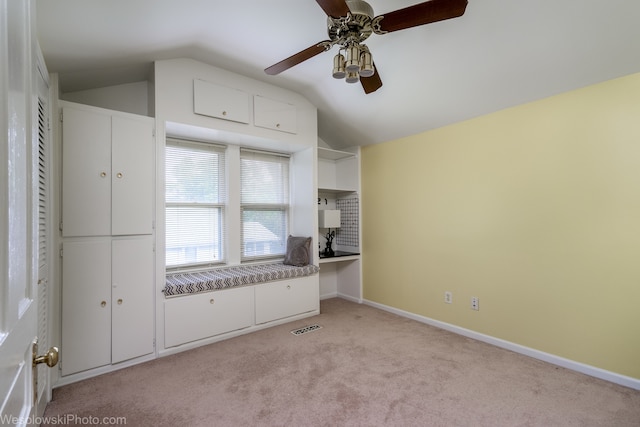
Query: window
pixel 264 204
pixel 195 201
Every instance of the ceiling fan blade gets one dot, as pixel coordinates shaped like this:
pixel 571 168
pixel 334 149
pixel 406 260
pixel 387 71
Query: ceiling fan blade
pixel 371 84
pixel 295 59
pixel 334 8
pixel 422 13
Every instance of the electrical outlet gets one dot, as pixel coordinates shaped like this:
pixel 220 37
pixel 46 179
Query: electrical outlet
pixel 475 303
pixel 448 297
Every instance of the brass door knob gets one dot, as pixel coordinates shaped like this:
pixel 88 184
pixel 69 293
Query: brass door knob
pixel 50 358
pixel 103 304
pixel 120 301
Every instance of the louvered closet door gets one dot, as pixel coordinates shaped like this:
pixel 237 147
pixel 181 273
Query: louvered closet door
pixel 43 240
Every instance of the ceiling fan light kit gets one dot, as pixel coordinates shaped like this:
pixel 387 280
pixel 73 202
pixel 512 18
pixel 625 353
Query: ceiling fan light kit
pixel 351 22
pixel 338 67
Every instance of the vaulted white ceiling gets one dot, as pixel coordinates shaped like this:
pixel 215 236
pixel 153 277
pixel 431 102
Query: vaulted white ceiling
pixel 500 53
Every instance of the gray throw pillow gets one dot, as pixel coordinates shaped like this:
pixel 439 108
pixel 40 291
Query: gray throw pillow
pixel 298 251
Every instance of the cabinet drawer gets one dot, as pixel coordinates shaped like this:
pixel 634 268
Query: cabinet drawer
pixel 190 318
pixel 286 298
pixel 220 102
pixel 276 115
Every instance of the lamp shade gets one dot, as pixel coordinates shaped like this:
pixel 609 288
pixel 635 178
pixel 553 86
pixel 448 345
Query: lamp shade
pixel 329 218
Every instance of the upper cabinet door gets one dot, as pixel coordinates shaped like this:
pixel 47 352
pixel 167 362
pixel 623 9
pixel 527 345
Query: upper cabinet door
pixel 86 180
pixel 132 176
pixel 276 115
pixel 221 102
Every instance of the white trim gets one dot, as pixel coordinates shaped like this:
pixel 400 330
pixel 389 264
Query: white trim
pixel 350 298
pixel 593 371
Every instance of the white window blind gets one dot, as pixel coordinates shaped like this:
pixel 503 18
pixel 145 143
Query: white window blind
pixel 264 204
pixel 195 202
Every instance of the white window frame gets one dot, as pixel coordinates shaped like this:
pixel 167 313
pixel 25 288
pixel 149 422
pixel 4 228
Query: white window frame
pixel 283 206
pixel 220 206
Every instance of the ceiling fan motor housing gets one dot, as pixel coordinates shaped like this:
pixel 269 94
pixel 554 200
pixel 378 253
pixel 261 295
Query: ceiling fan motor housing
pixel 354 28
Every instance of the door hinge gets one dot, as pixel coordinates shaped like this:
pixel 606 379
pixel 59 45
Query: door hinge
pixel 61 115
pixel 61 253
pixel 153 132
pixel 60 226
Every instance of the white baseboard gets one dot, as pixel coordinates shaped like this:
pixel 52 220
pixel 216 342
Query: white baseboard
pixel 329 295
pixel 350 298
pixel 613 377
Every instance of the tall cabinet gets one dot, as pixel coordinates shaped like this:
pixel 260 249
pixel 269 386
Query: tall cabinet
pixel 108 237
pixel 339 189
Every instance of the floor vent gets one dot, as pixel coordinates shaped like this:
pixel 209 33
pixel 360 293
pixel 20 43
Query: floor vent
pixel 306 329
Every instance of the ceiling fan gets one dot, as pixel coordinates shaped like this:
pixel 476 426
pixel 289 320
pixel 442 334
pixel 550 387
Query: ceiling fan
pixel 351 22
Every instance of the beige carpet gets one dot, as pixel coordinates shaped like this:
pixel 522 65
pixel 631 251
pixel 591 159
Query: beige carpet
pixel 365 367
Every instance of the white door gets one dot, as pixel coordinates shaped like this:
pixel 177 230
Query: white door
pixel 18 216
pixel 42 199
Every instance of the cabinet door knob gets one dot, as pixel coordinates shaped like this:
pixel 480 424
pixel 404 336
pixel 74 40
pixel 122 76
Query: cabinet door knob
pixel 211 301
pixel 119 175
pixel 224 113
pixel 103 304
pixel 120 301
pixel 278 125
pixel 288 286
pixel 103 174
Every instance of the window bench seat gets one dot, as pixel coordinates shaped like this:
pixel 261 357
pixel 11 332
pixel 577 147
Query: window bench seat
pixel 208 306
pixel 228 277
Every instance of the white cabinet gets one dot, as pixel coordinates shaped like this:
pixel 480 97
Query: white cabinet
pixel 195 317
pixel 210 99
pixel 108 243
pixel 107 301
pixel 272 114
pixel 286 298
pixel 107 172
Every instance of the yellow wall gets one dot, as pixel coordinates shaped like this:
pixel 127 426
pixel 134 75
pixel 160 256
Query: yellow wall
pixel 534 209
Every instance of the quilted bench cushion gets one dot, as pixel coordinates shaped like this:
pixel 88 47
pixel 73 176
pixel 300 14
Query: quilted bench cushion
pixel 227 277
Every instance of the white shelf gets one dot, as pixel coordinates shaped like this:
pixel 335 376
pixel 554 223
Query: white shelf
pixel 339 259
pixel 335 191
pixel 330 154
pixel 338 181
